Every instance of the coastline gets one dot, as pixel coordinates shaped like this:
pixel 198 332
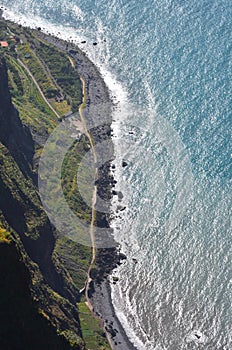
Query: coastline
pixel 175 229
pixel 98 99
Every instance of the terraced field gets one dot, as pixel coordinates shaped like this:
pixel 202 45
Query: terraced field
pixel 61 86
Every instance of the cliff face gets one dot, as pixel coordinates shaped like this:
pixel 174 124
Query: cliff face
pixel 13 135
pixel 22 326
pixel 35 277
pixel 48 267
pixel 19 200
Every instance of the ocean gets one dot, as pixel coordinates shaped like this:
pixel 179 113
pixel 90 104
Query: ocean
pixel 168 66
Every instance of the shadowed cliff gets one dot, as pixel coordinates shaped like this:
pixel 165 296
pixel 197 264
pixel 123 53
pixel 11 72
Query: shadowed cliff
pixel 30 281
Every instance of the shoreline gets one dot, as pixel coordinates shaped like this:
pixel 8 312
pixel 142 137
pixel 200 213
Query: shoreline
pixel 98 95
pixel 99 291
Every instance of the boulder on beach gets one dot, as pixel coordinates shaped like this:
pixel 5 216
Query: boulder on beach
pixel 122 256
pixel 120 195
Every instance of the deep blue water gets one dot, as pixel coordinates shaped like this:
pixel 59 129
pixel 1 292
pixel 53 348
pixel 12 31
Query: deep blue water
pixel 172 60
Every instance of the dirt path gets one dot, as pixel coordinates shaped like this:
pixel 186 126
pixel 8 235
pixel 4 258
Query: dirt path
pixel 38 87
pixel 94 197
pixel 81 126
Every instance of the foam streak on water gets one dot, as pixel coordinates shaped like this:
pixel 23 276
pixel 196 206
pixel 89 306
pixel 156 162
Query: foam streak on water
pixel 169 65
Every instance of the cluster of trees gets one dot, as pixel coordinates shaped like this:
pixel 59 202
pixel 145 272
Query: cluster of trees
pixel 17 80
pixel 61 69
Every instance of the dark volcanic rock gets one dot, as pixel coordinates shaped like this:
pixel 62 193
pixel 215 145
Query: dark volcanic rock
pixel 120 195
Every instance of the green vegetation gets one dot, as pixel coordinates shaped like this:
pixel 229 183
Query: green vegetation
pixel 69 179
pixel 51 67
pixel 62 107
pixel 5 236
pixel 93 334
pixel 76 259
pixel 22 326
pixel 42 259
pixel 75 256
pixel 33 110
pixel 20 191
pixel 5 35
pixel 63 72
pixel 15 78
pixel 36 67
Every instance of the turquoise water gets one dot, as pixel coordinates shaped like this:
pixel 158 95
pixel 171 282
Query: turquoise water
pixel 169 65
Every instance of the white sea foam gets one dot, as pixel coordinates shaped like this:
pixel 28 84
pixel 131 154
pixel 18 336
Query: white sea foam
pixel 78 12
pixel 100 58
pixel 123 320
pixel 181 275
pixel 64 32
pixel 119 96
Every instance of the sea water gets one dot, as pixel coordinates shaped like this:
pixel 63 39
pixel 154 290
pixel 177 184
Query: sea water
pixel 168 66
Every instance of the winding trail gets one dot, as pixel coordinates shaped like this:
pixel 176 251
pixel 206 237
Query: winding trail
pixel 94 197
pixel 86 131
pixel 81 125
pixel 38 87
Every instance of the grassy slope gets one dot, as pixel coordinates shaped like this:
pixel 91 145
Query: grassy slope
pixel 91 330
pixel 23 214
pixel 35 113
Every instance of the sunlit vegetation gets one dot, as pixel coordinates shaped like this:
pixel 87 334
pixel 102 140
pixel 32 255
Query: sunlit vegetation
pixel 28 56
pixel 93 334
pixel 61 85
pixel 63 72
pixel 5 236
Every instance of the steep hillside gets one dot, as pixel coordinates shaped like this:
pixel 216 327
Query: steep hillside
pixel 22 325
pixel 21 212
pixel 47 267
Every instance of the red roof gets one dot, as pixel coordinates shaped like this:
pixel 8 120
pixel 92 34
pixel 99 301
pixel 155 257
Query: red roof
pixel 4 43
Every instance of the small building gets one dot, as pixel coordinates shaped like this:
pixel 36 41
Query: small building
pixel 4 44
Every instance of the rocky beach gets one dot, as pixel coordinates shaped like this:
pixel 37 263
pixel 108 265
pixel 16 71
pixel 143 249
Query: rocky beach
pixel 98 115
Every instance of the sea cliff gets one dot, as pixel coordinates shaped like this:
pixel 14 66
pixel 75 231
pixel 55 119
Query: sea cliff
pixel 56 268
